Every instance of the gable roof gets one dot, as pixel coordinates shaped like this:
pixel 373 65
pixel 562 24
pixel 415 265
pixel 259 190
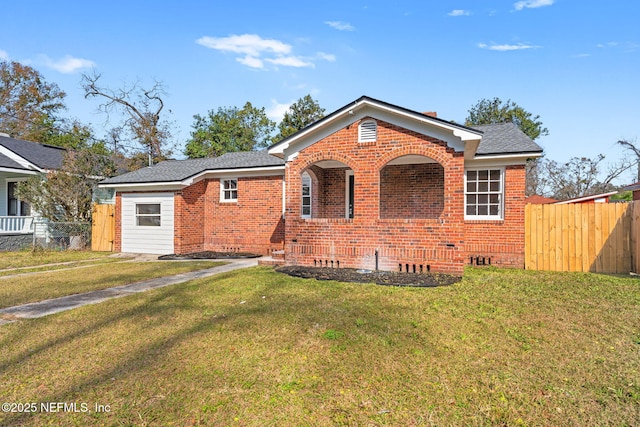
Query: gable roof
pixel 174 171
pixel 27 155
pixel 454 134
pixel 484 140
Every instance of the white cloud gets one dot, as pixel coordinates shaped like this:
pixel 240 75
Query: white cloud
pixel 290 61
pixel 249 44
pixel 68 64
pixel 251 61
pixel 256 51
pixel 507 47
pixel 459 12
pixel 340 25
pixel 326 56
pixel 607 44
pixel 277 110
pixel 532 4
pixel 3 55
pixel 581 55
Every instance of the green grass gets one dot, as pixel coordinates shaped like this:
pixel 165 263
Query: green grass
pixel 37 287
pixel 27 258
pixel 66 265
pixel 255 348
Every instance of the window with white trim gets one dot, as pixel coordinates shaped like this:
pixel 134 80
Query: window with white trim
pixel 484 194
pixel 15 206
pixel 306 196
pixel 148 214
pixel 368 131
pixel 229 190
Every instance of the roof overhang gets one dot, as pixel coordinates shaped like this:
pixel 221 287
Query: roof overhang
pixel 19 171
pixel 587 198
pixel 19 159
pixel 458 137
pixel 179 185
pixel 502 159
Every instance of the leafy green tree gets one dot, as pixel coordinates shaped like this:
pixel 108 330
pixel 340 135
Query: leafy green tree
pixel 300 114
pixel 66 194
pixel 29 105
pixel 489 111
pixel 229 129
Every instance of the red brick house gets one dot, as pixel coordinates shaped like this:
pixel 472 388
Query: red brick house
pixel 370 185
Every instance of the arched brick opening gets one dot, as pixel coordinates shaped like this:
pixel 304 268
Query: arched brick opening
pixel 329 189
pixel 412 187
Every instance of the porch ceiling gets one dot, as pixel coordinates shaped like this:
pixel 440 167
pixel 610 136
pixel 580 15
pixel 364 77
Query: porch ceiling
pixel 412 159
pixel 330 164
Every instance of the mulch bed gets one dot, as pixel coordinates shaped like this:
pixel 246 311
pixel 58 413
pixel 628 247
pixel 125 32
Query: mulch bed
pixel 389 278
pixel 209 255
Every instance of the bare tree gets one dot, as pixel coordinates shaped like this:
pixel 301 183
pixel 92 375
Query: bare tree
pixel 631 146
pixel 578 177
pixel 141 108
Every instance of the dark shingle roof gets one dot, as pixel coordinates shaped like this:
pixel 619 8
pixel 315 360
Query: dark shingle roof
pixel 178 170
pixel 41 155
pixel 505 138
pixel 6 162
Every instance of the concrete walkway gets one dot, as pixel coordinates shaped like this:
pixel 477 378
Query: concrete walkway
pixel 56 305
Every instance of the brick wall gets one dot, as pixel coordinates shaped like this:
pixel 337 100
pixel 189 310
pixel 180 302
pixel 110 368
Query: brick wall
pixel 436 242
pixel 412 191
pixel 503 240
pixel 252 224
pixel 189 218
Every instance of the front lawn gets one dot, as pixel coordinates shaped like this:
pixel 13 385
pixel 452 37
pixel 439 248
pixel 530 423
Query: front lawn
pixel 29 257
pixel 24 289
pixel 254 347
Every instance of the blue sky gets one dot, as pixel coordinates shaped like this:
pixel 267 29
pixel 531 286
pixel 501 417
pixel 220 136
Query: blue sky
pixel 574 63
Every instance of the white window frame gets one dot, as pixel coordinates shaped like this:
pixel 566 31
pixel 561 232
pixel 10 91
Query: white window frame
pixel 347 174
pixel 224 192
pixel 16 181
pixel 370 135
pixel 148 215
pixel 500 193
pixel 308 182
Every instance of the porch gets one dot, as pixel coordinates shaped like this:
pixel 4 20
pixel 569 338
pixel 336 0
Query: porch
pixel 401 216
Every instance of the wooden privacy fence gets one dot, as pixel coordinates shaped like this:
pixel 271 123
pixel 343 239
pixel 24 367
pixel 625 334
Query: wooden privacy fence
pixel 103 228
pixel 599 237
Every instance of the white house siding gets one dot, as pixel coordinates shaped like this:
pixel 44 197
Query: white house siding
pixel 147 239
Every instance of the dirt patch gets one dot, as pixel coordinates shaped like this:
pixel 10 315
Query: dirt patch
pixel 209 255
pixel 388 278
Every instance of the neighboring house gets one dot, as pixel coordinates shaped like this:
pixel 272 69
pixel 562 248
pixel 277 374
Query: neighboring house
pixel 20 160
pixel 537 199
pixel 635 188
pixel 372 185
pixel 595 198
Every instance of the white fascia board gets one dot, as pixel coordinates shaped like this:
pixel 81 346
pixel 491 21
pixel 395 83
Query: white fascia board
pixel 20 171
pixel 145 186
pixel 501 159
pixel 236 173
pixel 454 136
pixel 19 159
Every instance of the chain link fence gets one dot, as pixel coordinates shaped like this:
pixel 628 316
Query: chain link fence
pixel 62 235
